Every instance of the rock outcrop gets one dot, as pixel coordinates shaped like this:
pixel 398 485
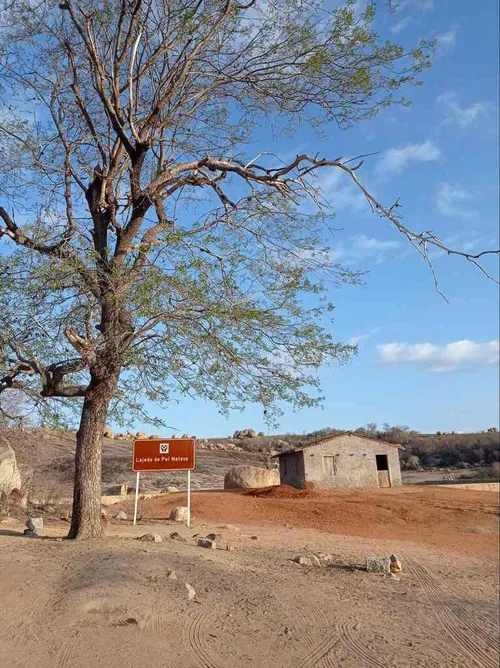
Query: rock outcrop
pixel 10 477
pixel 250 477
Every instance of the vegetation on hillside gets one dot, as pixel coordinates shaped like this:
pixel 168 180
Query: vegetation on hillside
pixel 442 449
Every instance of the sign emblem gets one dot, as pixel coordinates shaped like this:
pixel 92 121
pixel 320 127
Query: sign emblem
pixel 164 448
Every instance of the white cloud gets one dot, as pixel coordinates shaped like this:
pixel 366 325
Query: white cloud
pixel 454 202
pixel 446 40
pixel 362 243
pixel 401 25
pixel 363 249
pixel 462 116
pixel 453 356
pixel 396 159
pixel 357 338
pixel 340 191
pixel 421 5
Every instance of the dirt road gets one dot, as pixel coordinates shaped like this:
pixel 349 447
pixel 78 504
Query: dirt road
pixel 113 603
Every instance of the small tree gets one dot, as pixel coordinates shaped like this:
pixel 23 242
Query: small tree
pixel 148 251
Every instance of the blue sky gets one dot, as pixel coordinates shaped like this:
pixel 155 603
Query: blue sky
pixel 422 362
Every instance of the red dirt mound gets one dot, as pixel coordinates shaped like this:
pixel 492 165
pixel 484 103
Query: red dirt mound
pixel 280 492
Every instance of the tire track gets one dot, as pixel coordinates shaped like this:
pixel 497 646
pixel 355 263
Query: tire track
pixel 348 638
pixel 25 613
pixel 321 653
pixel 448 618
pixel 195 639
pixel 64 655
pixel 422 573
pixel 158 624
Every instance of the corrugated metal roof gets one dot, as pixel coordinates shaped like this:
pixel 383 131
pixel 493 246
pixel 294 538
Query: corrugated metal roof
pixel 329 438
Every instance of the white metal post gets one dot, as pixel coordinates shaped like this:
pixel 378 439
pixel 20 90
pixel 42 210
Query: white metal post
pixel 136 497
pixel 189 499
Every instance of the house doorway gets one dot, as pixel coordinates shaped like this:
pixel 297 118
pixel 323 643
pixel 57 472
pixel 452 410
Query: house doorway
pixel 383 471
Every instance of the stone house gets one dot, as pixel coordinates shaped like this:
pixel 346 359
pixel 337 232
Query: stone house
pixel 349 459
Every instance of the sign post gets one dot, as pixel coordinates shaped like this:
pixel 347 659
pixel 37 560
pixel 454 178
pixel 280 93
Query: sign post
pixel 136 496
pixel 189 499
pixel 163 454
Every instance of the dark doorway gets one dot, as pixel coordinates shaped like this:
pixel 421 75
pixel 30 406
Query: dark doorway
pixel 383 471
pixel 382 463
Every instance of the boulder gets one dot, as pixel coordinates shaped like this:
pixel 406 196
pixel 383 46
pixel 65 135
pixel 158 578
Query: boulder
pixel 10 477
pixel 141 436
pixel 245 433
pixel 378 564
pixel 108 433
pixel 34 524
pixel 170 490
pixel 250 477
pixel 121 515
pixel 179 514
pixel 155 437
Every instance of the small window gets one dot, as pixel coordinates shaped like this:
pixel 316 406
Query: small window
pixel 330 465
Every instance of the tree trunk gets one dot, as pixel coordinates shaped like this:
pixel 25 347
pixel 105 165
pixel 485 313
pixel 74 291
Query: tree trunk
pixel 86 519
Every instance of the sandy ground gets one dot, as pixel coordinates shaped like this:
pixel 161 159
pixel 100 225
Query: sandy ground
pixel 112 603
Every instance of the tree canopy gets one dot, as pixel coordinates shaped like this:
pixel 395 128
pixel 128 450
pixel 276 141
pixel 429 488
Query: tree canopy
pixel 151 247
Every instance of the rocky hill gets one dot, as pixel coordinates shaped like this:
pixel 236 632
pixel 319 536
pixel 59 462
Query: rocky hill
pixel 46 459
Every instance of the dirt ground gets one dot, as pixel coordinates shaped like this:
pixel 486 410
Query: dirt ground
pixel 113 602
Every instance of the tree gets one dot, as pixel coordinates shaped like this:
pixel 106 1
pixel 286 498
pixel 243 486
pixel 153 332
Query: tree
pixel 148 249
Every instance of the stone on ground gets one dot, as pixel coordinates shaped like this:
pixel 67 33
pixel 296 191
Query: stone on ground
pixel 206 542
pixel 309 560
pixel 250 477
pixel 170 490
pixel 395 564
pixel 325 557
pixel 378 564
pixel 171 575
pixel 35 524
pixel 214 536
pixel 191 592
pixel 179 514
pixel 175 535
pixel 151 537
pixel 108 433
pixel 121 515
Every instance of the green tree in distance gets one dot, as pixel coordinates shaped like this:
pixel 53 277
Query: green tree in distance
pixel 150 249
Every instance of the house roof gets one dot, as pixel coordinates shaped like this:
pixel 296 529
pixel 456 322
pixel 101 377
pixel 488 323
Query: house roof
pixel 330 438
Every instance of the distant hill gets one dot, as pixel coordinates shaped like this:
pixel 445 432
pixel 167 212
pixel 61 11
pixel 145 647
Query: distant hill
pixel 47 456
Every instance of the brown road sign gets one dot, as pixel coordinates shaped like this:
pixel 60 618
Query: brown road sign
pixel 164 454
